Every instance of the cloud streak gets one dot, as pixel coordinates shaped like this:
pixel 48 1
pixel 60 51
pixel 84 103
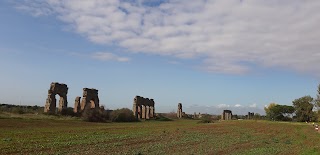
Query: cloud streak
pixel 105 56
pixel 227 36
pixel 102 56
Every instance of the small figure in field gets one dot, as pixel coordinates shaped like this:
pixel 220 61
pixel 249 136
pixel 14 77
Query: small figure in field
pixel 317 127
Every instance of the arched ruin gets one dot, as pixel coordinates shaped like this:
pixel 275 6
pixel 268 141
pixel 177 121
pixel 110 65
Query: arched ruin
pixel 250 115
pixel 143 108
pixel 60 89
pixel 226 115
pixel 179 111
pixel 90 99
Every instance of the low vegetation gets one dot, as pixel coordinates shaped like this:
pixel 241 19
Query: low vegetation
pixel 122 115
pixel 41 136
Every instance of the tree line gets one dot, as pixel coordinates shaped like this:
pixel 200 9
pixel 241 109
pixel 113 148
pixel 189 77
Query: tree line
pixel 303 109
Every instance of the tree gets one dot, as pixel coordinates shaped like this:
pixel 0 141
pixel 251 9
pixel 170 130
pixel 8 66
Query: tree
pixel 317 100
pixel 269 112
pixel 317 104
pixel 303 107
pixel 279 112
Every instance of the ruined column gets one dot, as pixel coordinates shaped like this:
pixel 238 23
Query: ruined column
pixel 50 106
pixel 143 113
pixel 77 105
pixel 151 112
pixel 148 104
pixel 63 104
pixel 135 107
pixel 147 112
pixel 222 116
pixel 153 108
pixel 179 111
pixel 139 111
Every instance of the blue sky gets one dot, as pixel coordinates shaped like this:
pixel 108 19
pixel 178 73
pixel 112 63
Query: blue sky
pixel 210 56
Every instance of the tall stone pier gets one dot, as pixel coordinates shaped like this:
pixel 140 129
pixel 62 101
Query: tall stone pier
pixel 179 111
pixel 60 89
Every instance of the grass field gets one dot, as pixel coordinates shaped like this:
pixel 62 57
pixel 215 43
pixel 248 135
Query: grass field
pixel 50 136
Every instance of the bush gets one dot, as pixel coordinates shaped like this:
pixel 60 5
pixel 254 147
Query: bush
pixel 68 112
pixel 122 115
pixel 206 119
pixel 17 110
pixel 94 115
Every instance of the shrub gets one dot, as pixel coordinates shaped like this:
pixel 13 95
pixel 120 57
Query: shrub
pixel 94 115
pixel 17 110
pixel 206 119
pixel 122 115
pixel 68 112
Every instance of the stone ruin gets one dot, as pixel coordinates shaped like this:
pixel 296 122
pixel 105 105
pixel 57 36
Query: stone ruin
pixel 179 111
pixel 77 105
pixel 226 115
pixel 60 89
pixel 250 115
pixel 143 108
pixel 90 99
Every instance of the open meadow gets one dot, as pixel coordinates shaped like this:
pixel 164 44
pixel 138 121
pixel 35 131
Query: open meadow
pixel 67 136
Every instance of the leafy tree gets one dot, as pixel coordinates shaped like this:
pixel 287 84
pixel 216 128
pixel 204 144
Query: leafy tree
pixel 269 112
pixel 256 116
pixel 279 112
pixel 303 107
pixel 317 100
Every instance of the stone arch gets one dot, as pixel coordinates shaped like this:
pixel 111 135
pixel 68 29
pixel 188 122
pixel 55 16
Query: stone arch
pixel 56 89
pixel 90 99
pixel 143 108
pixel 226 115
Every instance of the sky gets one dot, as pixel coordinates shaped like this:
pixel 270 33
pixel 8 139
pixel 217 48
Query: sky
pixel 208 55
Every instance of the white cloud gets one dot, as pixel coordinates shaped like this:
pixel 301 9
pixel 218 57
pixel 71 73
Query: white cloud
pixel 105 56
pixel 237 105
pixel 228 36
pixel 254 105
pixel 102 56
pixel 223 106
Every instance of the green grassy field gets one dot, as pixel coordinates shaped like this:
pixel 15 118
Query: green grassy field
pixel 50 136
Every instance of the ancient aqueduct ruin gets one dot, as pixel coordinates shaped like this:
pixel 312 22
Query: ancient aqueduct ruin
pixel 90 99
pixel 62 91
pixel 143 108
